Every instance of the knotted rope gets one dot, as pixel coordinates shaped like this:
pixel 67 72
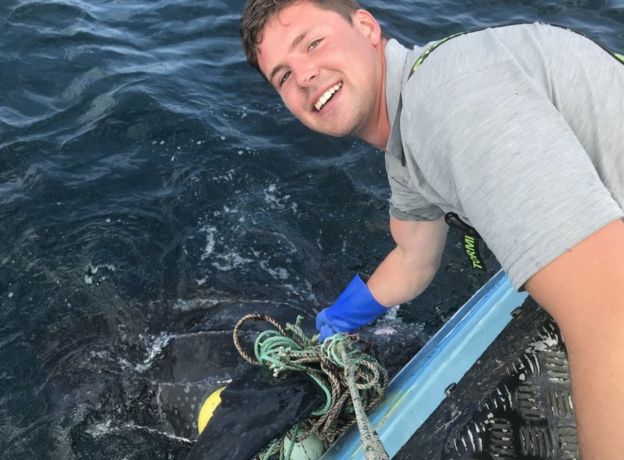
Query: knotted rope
pixel 351 380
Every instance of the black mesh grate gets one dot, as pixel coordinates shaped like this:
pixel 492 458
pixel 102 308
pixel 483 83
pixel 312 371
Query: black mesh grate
pixel 514 403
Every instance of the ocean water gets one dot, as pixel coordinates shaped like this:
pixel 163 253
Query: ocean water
pixel 152 187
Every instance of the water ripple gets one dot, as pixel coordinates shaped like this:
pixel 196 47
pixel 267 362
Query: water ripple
pixel 45 15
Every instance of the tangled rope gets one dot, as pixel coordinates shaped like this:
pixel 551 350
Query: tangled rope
pixel 351 380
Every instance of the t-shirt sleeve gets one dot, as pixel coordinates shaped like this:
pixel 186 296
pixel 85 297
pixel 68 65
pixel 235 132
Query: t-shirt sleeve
pixel 406 203
pixel 521 176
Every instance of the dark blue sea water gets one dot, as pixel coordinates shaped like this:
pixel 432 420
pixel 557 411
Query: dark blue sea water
pixel 152 187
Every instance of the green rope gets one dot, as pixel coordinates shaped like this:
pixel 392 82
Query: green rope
pixel 273 448
pixel 286 455
pixel 340 369
pixel 281 354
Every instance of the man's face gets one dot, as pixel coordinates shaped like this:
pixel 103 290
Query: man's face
pixel 328 71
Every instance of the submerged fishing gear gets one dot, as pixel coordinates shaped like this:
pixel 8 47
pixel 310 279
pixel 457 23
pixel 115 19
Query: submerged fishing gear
pixel 351 381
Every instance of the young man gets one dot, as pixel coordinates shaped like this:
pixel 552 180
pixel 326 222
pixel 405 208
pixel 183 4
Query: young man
pixel 518 130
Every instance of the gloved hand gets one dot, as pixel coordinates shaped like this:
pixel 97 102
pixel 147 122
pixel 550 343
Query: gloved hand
pixel 354 308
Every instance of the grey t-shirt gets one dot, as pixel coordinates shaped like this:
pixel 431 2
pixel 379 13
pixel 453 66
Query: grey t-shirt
pixel 519 130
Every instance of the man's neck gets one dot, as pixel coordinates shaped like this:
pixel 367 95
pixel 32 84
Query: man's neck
pixel 378 132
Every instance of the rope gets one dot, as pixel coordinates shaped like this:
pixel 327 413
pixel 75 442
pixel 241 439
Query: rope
pixel 373 448
pixel 343 373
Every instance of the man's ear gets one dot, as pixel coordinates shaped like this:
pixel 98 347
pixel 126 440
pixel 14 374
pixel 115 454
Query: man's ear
pixel 366 23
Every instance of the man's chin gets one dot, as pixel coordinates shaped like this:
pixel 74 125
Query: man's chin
pixel 334 131
pixel 336 134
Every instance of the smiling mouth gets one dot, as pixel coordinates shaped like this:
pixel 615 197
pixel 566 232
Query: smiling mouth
pixel 326 97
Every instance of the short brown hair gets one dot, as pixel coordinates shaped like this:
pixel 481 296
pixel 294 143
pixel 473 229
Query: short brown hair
pixel 258 12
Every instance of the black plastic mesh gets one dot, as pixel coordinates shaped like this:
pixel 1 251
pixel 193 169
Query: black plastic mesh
pixel 515 402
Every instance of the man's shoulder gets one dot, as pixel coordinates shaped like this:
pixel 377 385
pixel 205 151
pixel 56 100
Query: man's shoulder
pixel 473 53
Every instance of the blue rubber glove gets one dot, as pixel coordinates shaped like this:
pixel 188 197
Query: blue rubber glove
pixel 354 308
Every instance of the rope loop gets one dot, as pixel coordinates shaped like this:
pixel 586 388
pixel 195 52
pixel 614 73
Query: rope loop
pixel 253 317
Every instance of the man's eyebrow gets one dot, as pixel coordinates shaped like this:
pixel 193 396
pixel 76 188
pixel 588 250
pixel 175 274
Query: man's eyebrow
pixel 292 46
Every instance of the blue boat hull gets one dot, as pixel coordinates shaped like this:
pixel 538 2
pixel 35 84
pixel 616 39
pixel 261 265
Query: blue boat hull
pixel 423 384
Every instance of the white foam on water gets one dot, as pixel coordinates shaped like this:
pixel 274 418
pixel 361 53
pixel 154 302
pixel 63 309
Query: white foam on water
pixel 392 313
pixel 102 354
pixel 99 429
pixel 278 273
pixel 230 261
pixel 386 330
pixel 274 200
pixel 132 426
pixel 93 269
pixel 201 281
pixel 389 323
pixel 227 176
pixel 103 428
pixel 211 233
pixel 194 304
pixel 154 349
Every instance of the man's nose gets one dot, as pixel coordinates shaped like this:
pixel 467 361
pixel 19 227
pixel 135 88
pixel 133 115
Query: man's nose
pixel 306 72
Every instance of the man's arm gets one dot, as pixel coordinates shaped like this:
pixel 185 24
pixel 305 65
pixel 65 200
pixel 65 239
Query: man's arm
pixel 583 289
pixel 403 274
pixel 409 268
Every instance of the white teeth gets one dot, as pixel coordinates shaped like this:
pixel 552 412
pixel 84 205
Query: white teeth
pixel 327 96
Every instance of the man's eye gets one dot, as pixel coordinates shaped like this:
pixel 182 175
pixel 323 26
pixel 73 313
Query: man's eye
pixel 314 44
pixel 284 78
